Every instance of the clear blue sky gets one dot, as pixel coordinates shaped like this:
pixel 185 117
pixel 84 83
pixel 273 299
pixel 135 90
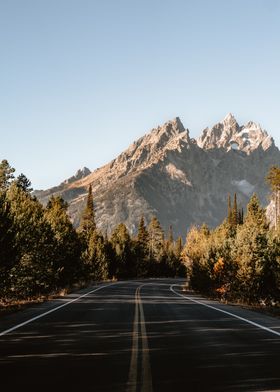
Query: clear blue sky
pixel 82 79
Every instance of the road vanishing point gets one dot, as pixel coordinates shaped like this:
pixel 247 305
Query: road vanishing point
pixel 138 336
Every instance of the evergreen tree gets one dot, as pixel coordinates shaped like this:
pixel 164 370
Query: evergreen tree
pixel 169 243
pixel 235 215
pixel 171 263
pixel 122 245
pixel 273 179
pixel 251 251
pixel 229 217
pixel 33 273
pixel 24 183
pixel 270 278
pixel 87 224
pixel 67 264
pixel 156 239
pixel 170 237
pixel 205 230
pixel 196 257
pixel 256 214
pixel 96 257
pixel 96 248
pixel 240 216
pixel 141 250
pixel 8 250
pixel 178 247
pixel 235 219
pixel 142 235
pixel 7 233
pixel 6 174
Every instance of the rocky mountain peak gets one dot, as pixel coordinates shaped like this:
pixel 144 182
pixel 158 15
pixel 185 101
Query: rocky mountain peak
pixel 228 135
pixel 150 148
pixel 80 173
pixel 164 133
pixel 165 173
pixel 230 121
pixel 220 135
pixel 252 136
pixel 176 124
pixel 170 135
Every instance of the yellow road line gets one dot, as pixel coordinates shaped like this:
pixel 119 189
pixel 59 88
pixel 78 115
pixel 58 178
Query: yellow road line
pixel 146 375
pixel 133 370
pixel 146 367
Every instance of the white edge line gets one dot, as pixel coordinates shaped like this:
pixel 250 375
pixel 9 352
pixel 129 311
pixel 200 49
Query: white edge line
pixel 52 310
pixel 133 368
pixel 225 312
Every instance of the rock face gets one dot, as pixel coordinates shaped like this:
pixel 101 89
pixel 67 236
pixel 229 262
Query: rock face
pixel 65 189
pixel 180 180
pixel 229 135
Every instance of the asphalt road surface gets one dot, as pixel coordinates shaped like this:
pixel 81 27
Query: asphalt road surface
pixel 144 335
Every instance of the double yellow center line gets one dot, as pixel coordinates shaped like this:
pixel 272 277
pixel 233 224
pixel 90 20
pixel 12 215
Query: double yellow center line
pixel 139 375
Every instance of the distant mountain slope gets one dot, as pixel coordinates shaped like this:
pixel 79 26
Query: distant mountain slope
pixel 179 179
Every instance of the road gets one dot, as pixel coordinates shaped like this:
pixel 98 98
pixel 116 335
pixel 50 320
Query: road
pixel 144 335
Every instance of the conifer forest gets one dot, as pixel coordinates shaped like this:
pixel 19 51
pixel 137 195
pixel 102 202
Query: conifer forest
pixel 41 253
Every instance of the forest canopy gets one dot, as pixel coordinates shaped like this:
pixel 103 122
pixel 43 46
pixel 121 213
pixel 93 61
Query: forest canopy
pixel 41 252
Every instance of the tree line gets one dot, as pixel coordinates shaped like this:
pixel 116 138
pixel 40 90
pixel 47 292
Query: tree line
pixel 240 259
pixel 41 252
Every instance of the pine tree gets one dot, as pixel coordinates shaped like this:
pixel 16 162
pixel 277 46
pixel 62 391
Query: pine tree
pixel 271 271
pixel 169 243
pixel 235 212
pixel 24 183
pixel 33 274
pixel 156 239
pixel 273 179
pixel 122 245
pixel 141 250
pixel 96 257
pixel 67 263
pixel 235 215
pixel 178 247
pixel 196 257
pixel 240 216
pixel 170 237
pixel 87 224
pixel 6 174
pixel 256 214
pixel 8 250
pixel 251 251
pixel 205 230
pixel 174 261
pixel 7 233
pixel 142 235
pixel 229 217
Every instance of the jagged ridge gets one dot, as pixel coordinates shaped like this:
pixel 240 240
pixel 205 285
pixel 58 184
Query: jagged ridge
pixel 181 180
pixel 227 134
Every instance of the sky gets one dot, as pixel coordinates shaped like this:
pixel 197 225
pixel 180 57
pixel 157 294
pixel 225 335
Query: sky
pixel 80 80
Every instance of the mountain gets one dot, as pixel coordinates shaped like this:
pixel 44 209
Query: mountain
pixel 64 188
pixel 229 135
pixel 181 180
